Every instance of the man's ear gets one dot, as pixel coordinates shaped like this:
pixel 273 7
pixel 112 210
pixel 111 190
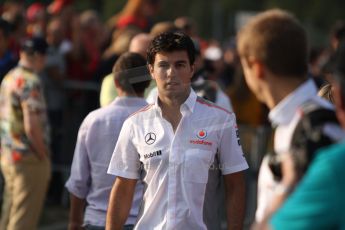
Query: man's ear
pixel 339 103
pixel 338 98
pixel 116 82
pixel 151 71
pixel 258 68
pixel 192 69
pixel 255 67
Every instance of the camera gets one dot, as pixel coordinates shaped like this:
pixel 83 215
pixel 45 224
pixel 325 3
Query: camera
pixel 311 134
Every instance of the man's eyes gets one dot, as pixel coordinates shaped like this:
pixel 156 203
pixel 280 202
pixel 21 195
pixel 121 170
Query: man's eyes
pixel 177 65
pixel 180 64
pixel 163 65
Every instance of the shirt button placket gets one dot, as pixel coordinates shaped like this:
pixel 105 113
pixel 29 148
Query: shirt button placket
pixel 172 183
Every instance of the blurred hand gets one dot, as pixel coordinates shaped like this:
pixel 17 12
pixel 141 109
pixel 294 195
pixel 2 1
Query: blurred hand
pixel 288 170
pixel 75 226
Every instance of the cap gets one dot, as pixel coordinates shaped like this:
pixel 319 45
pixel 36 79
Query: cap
pixel 35 45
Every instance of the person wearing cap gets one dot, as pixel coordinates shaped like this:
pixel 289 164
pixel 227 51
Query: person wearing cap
pixel 25 160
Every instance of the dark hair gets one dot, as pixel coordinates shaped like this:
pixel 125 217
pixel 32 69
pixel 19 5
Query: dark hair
pixel 169 42
pixel 131 73
pixel 277 39
pixel 35 45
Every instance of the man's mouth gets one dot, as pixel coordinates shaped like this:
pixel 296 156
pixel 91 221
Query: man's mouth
pixel 172 83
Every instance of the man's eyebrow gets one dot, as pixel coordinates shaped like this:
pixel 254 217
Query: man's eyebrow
pixel 161 62
pixel 181 62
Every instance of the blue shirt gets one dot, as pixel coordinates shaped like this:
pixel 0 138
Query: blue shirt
pixel 318 202
pixel 97 137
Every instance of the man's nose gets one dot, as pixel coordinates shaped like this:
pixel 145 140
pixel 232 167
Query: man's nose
pixel 171 71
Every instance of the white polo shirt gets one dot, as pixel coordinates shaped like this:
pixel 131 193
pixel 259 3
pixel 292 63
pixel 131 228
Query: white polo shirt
pixel 174 166
pixel 284 117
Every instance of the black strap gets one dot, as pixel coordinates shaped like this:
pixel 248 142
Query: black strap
pixel 309 134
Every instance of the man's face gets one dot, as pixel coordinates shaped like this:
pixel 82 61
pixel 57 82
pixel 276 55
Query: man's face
pixel 172 73
pixel 252 79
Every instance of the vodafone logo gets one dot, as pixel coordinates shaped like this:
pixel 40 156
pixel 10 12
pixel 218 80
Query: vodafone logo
pixel 201 134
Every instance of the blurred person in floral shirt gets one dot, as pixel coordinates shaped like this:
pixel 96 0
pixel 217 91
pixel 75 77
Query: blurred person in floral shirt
pixel 24 140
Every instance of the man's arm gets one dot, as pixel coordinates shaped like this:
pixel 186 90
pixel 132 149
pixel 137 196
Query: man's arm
pixel 235 200
pixel 120 202
pixel 33 131
pixel 76 213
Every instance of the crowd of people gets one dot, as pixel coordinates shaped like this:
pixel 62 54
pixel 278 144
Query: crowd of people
pixel 163 151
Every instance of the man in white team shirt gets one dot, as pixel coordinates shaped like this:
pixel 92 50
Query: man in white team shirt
pixel 275 68
pixel 171 144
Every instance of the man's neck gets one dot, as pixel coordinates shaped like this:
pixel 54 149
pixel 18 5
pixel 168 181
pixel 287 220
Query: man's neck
pixel 169 102
pixel 26 65
pixel 282 89
pixel 122 93
pixel 170 107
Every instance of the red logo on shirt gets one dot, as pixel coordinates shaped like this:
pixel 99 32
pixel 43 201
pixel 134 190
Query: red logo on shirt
pixel 200 142
pixel 202 134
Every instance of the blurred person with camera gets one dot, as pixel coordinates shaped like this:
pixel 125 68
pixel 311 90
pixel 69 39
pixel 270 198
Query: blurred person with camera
pixel 317 202
pixel 275 69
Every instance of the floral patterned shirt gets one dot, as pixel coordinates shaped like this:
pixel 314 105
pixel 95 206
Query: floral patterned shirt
pixel 20 86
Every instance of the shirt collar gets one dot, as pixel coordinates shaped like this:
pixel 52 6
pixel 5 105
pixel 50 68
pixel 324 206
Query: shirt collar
pixel 188 105
pixel 285 110
pixel 128 101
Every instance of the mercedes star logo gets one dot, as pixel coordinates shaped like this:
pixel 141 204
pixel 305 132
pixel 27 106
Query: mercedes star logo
pixel 150 138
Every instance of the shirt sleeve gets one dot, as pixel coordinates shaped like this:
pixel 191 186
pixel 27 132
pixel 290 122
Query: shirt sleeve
pixel 314 203
pixel 79 180
pixel 230 151
pixel 125 159
pixel 31 94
